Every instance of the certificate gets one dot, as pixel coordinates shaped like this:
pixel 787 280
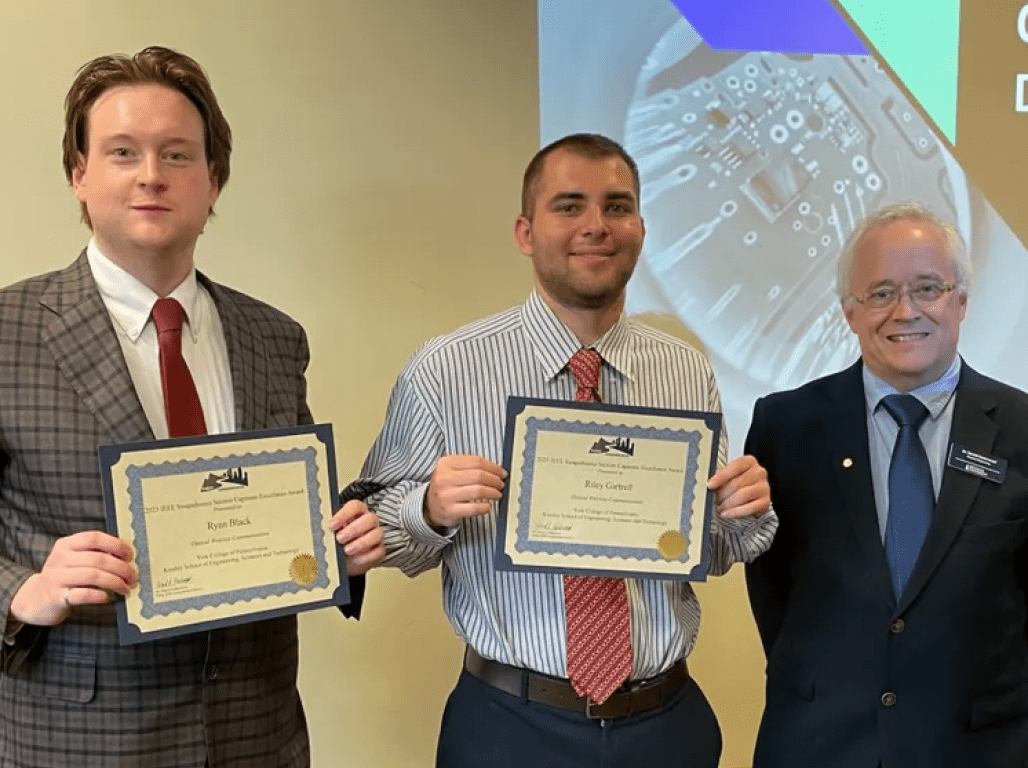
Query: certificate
pixel 607 489
pixel 226 529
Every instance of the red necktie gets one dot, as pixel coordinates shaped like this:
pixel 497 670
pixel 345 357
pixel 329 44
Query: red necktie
pixel 181 403
pixel 599 629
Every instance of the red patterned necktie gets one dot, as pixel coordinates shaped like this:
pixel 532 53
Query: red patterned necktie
pixel 181 403
pixel 599 629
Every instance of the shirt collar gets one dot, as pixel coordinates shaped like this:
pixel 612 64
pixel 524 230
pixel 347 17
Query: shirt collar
pixel 130 302
pixel 934 396
pixel 554 343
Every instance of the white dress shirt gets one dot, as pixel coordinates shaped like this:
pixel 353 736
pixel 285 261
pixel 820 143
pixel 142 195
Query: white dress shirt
pixel 129 303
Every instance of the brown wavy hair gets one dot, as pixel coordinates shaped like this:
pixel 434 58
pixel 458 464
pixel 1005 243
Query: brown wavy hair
pixel 157 65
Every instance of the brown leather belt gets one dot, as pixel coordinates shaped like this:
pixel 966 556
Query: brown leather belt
pixel 631 698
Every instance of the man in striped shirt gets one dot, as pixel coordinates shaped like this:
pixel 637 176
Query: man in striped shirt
pixel 437 458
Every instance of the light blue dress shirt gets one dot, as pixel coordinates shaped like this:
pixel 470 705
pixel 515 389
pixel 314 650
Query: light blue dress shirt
pixel 451 399
pixel 882 429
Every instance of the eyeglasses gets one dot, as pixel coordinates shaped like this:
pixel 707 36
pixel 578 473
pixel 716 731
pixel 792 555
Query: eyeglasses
pixel 922 294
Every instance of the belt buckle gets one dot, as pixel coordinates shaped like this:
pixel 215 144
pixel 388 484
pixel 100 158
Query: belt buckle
pixel 589 707
pixel 629 688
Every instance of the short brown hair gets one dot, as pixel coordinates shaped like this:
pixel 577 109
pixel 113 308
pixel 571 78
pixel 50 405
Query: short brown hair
pixel 590 145
pixel 161 66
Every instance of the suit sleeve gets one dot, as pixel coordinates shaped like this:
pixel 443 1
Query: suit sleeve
pixel 767 577
pixel 17 342
pixel 303 416
pixel 1022 579
pixel 12 575
pixel 16 639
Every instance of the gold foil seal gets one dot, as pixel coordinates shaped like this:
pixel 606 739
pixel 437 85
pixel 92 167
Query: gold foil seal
pixel 303 570
pixel 671 545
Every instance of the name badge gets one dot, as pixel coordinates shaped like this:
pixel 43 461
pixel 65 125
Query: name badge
pixel 977 464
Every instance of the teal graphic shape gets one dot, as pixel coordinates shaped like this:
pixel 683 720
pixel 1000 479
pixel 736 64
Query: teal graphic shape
pixel 920 40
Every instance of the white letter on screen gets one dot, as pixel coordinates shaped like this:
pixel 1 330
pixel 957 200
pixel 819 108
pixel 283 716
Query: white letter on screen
pixel 1021 105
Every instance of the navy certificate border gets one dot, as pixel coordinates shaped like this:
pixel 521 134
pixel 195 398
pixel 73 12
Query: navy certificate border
pixel 110 455
pixel 517 405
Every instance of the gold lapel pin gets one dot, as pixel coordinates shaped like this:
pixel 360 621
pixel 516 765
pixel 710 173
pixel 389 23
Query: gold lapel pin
pixel 847 462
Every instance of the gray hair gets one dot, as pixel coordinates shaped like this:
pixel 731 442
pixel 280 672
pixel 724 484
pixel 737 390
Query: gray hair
pixel 955 247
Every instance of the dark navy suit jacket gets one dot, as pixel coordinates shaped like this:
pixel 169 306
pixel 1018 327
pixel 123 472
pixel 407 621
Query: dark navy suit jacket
pixel 855 677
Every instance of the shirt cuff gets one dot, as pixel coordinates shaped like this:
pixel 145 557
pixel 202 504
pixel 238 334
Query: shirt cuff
pixel 412 516
pixel 747 526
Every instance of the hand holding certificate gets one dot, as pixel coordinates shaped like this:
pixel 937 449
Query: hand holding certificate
pixel 226 528
pixel 601 488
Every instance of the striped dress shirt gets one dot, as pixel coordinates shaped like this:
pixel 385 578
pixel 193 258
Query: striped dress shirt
pixel 451 399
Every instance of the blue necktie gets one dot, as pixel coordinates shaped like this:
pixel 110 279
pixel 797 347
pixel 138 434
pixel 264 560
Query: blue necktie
pixel 911 495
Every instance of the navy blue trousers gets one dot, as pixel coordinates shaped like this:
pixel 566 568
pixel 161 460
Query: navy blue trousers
pixel 483 726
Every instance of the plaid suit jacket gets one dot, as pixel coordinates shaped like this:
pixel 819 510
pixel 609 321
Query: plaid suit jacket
pixel 70 695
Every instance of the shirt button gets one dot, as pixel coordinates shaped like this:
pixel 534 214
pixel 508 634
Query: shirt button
pixel 897 626
pixel 888 699
pixel 212 673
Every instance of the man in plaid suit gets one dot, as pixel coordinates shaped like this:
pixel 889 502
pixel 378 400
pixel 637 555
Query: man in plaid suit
pixel 146 150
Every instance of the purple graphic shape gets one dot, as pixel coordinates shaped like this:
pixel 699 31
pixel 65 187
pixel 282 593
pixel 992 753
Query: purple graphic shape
pixel 783 26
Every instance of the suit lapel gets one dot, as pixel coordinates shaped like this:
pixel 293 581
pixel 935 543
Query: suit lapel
pixel 85 347
pixel 247 358
pixel 847 444
pixel 972 428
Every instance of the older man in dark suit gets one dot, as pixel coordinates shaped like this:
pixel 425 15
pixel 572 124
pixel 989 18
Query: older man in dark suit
pixel 147 152
pixel 892 604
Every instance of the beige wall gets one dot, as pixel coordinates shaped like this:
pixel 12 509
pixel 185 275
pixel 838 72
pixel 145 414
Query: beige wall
pixel 378 154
